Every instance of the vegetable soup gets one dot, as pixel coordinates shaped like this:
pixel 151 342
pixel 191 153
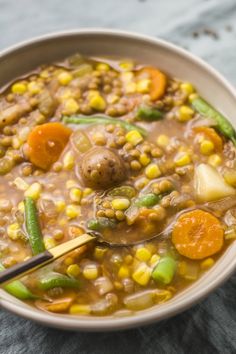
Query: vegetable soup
pixel 118 148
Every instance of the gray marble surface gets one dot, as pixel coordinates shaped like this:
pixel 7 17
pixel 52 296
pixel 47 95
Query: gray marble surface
pixel 209 327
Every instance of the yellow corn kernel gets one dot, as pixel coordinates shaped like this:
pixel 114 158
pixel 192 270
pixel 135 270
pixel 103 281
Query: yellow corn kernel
pixel 70 106
pixel 97 102
pixel 34 191
pixel 187 88
pixel 72 211
pixel 34 87
pixel 128 259
pixel 44 74
pixel 102 67
pixel 126 65
pixel 99 252
pixel 144 159
pixel 207 263
pixel 143 254
pixel 76 195
pixel 112 98
pixel 134 137
pixel 62 222
pixel 20 184
pixel 87 191
pixel 123 272
pixel 73 270
pixel 142 274
pixel 68 161
pixel 80 309
pixel 152 171
pixel 182 268
pixel 118 285
pixel 154 260
pixel 16 142
pixel 13 231
pixel 19 88
pixel 130 87
pixel 207 147
pixel 60 205
pixel 185 113
pixel 71 183
pixel 90 272
pixel 163 140
pixel 214 160
pixel 182 159
pixel 68 261
pixel 120 203
pixel 64 78
pixel 49 242
pixel 143 86
pixel 141 183
pixel 21 207
pixel 192 97
pixel 127 76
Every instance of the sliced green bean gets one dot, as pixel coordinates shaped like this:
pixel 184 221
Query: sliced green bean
pixel 98 224
pixel 164 270
pixel 57 280
pixel 33 227
pixel 148 200
pixel 149 113
pixel 223 125
pixel 81 119
pixel 18 289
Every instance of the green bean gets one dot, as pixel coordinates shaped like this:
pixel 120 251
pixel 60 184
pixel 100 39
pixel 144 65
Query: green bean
pixel 57 280
pixel 100 224
pixel 18 289
pixel 33 227
pixel 149 113
pixel 164 270
pixel 223 125
pixel 81 119
pixel 123 191
pixel 148 200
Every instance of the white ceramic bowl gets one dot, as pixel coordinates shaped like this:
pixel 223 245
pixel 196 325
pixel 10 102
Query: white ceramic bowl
pixel 26 56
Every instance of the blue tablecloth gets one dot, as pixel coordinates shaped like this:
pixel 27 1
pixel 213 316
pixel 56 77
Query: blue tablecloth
pixel 206 28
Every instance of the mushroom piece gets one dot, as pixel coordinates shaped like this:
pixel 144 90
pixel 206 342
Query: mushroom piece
pixel 102 168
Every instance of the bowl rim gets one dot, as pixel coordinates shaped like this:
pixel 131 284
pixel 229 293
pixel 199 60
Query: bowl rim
pixel 140 318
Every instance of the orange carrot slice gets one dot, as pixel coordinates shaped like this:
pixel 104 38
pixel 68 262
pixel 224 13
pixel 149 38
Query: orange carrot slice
pixel 211 134
pixel 46 142
pixel 158 82
pixel 198 234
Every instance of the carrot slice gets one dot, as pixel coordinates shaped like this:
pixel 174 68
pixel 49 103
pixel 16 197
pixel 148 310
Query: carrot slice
pixel 46 142
pixel 198 234
pixel 211 134
pixel 158 82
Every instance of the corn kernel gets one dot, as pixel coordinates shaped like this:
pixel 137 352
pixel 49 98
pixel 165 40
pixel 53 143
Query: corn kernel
pixel 134 137
pixel 71 183
pixel 68 161
pixel 152 171
pixel 142 274
pixel 120 203
pixel 19 88
pixel 34 191
pixel 90 272
pixel 143 254
pixel 49 242
pixel 207 263
pixel 112 98
pixel 123 272
pixel 206 147
pixel 80 309
pixel 21 207
pixel 102 67
pixel 16 142
pixel 127 76
pixel 70 106
pixel 154 260
pixel 182 159
pixel 75 195
pixel 64 78
pixel 192 97
pixel 144 159
pixel 187 88
pixel 20 184
pixel 128 259
pixel 130 87
pixel 73 270
pixel 185 113
pixel 34 87
pixel 87 191
pixel 214 160
pixel 13 231
pixel 182 268
pixel 126 65
pixel 68 261
pixel 60 205
pixel 62 222
pixel 163 140
pixel 72 211
pixel 44 74
pixel 97 102
pixel 99 252
pixel 143 86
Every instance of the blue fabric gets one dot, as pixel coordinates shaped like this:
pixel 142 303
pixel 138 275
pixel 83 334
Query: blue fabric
pixel 209 327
